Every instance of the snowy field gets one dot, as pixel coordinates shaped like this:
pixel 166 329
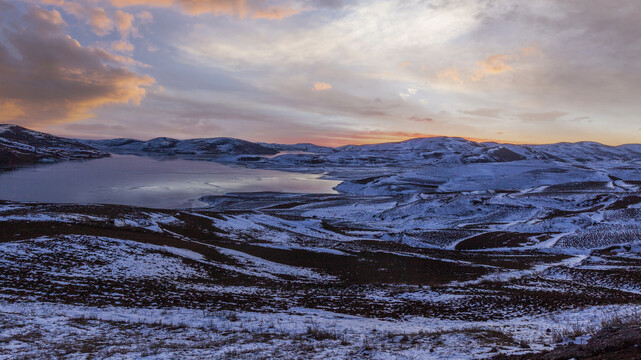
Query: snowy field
pixel 432 249
pixel 318 276
pixel 43 330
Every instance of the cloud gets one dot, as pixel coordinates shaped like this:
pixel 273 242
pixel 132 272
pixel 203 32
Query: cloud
pixel 343 39
pixel 582 118
pixel 255 9
pixel 493 113
pixel 45 20
pixel 122 46
pixel 494 64
pixel 526 58
pixel 410 92
pixel 375 136
pixel 531 50
pixel 95 16
pixel 274 13
pixel 94 129
pixel 145 17
pixel 542 116
pixel 48 77
pixel 450 75
pixel 124 23
pixel 498 63
pixel 10 109
pixel 320 86
pixel 421 119
pixel 100 21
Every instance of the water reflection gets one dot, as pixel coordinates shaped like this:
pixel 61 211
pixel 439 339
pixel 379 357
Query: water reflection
pixel 145 181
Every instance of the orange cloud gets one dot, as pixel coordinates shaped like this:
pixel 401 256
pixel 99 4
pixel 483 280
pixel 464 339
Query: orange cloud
pixel 450 74
pixel 122 46
pixel 145 17
pixel 497 64
pixel 532 50
pixel 239 8
pixel 124 23
pixel 10 109
pixel 274 13
pixel 52 18
pixel 95 16
pixel 494 64
pixel 100 21
pixel 39 88
pixel 320 86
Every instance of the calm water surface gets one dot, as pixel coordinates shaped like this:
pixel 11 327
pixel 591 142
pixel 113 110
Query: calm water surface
pixel 146 181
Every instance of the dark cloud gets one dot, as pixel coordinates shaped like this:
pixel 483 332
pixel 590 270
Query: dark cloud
pixel 48 77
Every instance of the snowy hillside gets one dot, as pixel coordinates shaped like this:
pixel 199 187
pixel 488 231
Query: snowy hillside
pixel 290 276
pixel 22 146
pixel 451 151
pixel 303 147
pixel 169 146
pixel 438 151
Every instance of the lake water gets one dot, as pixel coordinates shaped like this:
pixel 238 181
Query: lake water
pixel 146 181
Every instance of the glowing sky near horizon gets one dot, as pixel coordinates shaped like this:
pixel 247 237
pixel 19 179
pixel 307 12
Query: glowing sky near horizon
pixel 330 72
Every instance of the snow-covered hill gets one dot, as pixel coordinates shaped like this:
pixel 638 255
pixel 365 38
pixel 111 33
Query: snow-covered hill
pixel 450 151
pixel 409 153
pixel 165 145
pixel 302 147
pixel 19 145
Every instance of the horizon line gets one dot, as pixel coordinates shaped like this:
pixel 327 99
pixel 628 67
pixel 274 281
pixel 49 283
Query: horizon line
pixel 365 142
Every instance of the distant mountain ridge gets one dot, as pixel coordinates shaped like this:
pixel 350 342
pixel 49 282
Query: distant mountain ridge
pixel 170 146
pixel 434 149
pixel 303 147
pixel 453 150
pixel 579 151
pixel 20 145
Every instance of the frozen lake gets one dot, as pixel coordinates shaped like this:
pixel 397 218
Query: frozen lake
pixel 146 181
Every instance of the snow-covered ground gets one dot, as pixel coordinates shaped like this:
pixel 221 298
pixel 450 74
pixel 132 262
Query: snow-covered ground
pixel 434 248
pixel 76 332
pixel 292 278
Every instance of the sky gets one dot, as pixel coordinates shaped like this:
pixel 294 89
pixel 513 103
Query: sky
pixel 330 72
